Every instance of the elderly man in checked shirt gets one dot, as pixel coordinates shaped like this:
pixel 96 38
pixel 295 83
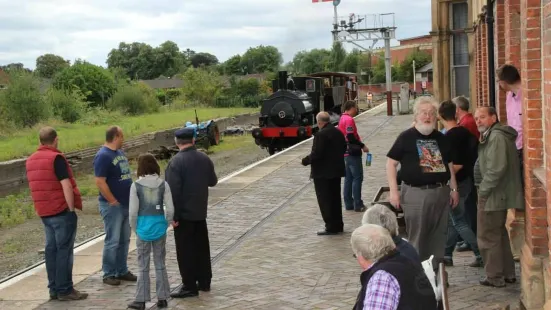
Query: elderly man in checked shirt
pixel 389 281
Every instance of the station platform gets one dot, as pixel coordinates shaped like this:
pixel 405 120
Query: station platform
pixel 265 252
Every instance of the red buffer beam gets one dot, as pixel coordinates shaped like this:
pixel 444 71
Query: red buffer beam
pixel 316 1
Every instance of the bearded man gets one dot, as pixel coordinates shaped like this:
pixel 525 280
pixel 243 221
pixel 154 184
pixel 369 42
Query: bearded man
pixel 428 186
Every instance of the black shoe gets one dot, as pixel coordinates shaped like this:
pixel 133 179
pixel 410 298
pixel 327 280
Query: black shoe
pixel 204 286
pixel 128 277
pixel 510 280
pixel 448 262
pixel 327 233
pixel 111 281
pixel 162 304
pixel 184 293
pixel 137 305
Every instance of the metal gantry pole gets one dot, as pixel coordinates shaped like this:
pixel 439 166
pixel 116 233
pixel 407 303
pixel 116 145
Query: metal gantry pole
pixel 388 69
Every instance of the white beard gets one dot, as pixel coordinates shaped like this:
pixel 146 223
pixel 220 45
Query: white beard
pixel 425 129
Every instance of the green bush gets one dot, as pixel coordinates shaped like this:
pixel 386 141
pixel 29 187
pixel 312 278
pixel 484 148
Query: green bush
pixel 22 102
pixel 68 105
pixel 134 100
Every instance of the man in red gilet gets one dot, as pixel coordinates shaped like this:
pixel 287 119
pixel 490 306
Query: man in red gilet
pixel 55 196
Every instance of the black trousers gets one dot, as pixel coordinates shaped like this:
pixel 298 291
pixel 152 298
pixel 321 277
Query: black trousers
pixel 328 193
pixel 193 253
pixel 521 162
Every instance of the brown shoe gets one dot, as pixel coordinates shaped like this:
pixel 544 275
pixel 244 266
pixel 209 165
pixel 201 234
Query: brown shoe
pixel 74 295
pixel 128 277
pixel 111 281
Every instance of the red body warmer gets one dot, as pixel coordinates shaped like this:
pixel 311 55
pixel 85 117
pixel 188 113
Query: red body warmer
pixel 46 190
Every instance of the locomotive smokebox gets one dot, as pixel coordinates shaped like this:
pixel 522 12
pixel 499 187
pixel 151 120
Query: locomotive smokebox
pixel 282 80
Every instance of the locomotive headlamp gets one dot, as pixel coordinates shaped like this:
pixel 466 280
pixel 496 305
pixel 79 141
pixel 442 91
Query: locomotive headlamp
pixel 257 133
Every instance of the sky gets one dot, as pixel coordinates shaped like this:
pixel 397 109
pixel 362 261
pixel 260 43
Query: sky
pixel 89 29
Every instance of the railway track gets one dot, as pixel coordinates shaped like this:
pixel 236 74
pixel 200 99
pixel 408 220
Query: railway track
pixel 215 259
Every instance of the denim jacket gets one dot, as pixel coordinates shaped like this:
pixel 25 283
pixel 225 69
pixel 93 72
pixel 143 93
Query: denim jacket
pixel 151 207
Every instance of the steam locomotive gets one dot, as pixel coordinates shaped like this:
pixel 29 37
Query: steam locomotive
pixel 288 116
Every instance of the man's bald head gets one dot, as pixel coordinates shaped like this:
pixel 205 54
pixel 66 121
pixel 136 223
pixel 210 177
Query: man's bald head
pixel 47 136
pixel 322 118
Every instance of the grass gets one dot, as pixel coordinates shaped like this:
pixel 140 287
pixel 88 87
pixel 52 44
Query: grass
pixel 16 209
pixel 79 136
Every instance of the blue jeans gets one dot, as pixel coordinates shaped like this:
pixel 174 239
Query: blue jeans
pixel 117 239
pixel 458 225
pixel 353 179
pixel 60 232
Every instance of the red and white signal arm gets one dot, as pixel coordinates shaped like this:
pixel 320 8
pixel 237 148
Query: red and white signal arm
pixel 310 86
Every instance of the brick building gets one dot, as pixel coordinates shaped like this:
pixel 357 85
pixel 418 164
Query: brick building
pixel 521 37
pixel 405 47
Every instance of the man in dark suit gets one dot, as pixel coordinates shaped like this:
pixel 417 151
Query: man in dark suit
pixel 327 164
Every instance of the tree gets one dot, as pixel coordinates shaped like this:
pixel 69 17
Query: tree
pixel 316 60
pixel 203 59
pixel 233 65
pixel 405 71
pixel 202 86
pixel 137 59
pixel 261 59
pixel 21 102
pixel 48 65
pixel 168 60
pixel 15 67
pixel 338 54
pixel 352 61
pixel 95 82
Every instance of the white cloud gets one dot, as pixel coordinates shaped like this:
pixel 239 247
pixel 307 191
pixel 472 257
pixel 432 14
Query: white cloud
pixel 89 29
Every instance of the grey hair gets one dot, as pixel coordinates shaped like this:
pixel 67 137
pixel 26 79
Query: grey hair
pixel 372 242
pixel 462 102
pixel 424 100
pixel 382 216
pixel 323 117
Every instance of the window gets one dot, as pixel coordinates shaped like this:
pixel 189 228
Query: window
pixel 459 50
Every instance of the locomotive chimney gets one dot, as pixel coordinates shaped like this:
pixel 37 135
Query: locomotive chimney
pixel 282 80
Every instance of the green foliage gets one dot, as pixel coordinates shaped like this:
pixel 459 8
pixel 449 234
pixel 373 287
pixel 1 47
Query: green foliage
pixel 233 65
pixel 261 59
pixel 68 105
pixel 203 59
pixel 22 103
pixel 134 100
pixel 202 86
pixel 405 71
pixel 338 54
pixel 95 116
pixel 49 65
pixel 93 81
pixel 307 62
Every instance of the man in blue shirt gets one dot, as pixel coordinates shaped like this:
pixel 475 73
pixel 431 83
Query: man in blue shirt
pixel 114 179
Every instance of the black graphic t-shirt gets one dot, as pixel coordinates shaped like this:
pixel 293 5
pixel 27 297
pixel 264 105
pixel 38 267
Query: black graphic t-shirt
pixel 464 150
pixel 423 159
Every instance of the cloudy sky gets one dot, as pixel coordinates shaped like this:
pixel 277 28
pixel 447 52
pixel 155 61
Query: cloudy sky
pixel 89 29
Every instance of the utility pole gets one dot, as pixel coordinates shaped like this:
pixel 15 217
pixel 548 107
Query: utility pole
pixel 388 69
pixel 414 78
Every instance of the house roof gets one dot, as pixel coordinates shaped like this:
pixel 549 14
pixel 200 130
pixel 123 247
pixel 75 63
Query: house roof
pixel 425 68
pixel 164 83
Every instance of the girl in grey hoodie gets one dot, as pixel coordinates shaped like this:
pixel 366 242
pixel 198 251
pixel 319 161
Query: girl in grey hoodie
pixel 150 212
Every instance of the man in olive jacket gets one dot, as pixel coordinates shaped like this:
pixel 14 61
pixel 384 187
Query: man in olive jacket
pixel 499 189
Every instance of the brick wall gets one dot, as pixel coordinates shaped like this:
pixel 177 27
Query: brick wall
pixel 377 89
pixel 400 53
pixel 546 72
pixel 481 54
pixel 531 64
pixel 499 53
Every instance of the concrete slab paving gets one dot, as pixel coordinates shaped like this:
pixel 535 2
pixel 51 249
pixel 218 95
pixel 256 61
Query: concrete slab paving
pixel 266 254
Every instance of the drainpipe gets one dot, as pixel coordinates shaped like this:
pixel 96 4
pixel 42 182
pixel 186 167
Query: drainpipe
pixel 491 64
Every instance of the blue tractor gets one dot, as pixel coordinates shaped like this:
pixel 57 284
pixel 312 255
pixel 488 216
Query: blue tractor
pixel 206 133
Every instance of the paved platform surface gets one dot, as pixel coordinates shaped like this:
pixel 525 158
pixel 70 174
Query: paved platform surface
pixel 266 254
